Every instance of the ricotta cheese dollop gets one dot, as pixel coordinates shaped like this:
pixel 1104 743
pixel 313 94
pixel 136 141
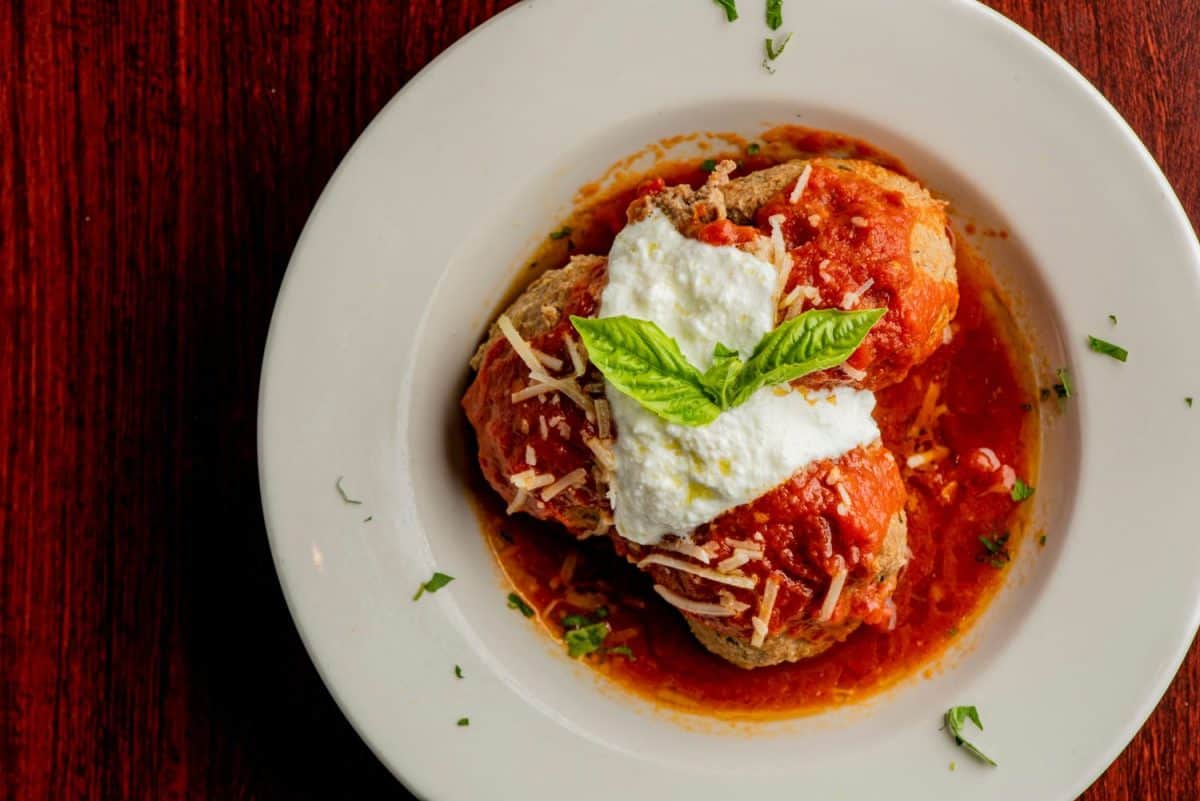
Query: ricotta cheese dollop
pixel 671 478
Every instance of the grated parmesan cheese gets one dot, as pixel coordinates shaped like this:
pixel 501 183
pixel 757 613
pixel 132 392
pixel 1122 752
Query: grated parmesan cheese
pixel 801 183
pixel 835 592
pixel 530 456
pixel 694 607
pixel 762 620
pixel 573 479
pixel 733 580
pixel 851 298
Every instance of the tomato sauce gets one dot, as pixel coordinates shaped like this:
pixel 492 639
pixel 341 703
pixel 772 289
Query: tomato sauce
pixel 968 412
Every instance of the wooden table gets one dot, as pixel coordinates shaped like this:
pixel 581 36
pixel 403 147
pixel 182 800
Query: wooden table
pixel 158 160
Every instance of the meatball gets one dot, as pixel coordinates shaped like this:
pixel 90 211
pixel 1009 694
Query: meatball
pixel 795 571
pixel 857 235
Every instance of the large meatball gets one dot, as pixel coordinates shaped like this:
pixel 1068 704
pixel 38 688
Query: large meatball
pixel 795 571
pixel 857 236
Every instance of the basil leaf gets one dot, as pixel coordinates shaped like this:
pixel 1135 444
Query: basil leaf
pixel 1021 491
pixel 435 583
pixel 774 14
pixel 585 640
pixel 517 602
pixel 815 340
pixel 1108 348
pixel 644 363
pixel 955 717
pixel 730 7
pixel 719 376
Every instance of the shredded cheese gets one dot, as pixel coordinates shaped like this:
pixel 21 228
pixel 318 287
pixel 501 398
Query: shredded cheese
pixel 730 602
pixel 543 429
pixel 762 620
pixel 567 571
pixel 517 502
pixel 519 345
pixel 934 454
pixel 603 453
pixel 530 480
pixel 603 418
pixel 740 557
pixel 801 183
pixel 947 334
pixel 694 607
pixel 850 298
pixel 749 545
pixel 530 456
pixel 687 549
pixel 547 360
pixel 854 372
pixel 779 254
pixel 576 360
pixel 858 222
pixel 573 479
pixel 835 592
pixel 733 579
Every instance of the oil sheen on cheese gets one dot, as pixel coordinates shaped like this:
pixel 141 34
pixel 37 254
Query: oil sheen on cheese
pixel 670 478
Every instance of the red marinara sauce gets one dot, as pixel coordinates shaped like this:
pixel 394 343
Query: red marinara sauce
pixel 970 403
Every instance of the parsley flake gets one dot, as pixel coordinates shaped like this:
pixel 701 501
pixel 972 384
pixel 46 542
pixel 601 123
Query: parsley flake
pixel 1063 387
pixel 774 47
pixel 1108 348
pixel 464 721
pixel 586 639
pixel 1112 318
pixel 1021 491
pixel 730 7
pixel 458 672
pixel 561 233
pixel 708 165
pixel 622 650
pixel 956 716
pixel 774 14
pixel 435 583
pixel 517 602
pixel 346 498
pixel 1188 401
pixel 995 551
pixel 753 148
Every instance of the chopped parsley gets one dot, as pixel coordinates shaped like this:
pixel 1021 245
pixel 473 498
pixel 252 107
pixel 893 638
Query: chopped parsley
pixel 622 650
pixel 561 233
pixel 1112 318
pixel 1188 401
pixel 774 47
pixel 517 602
pixel 952 631
pixel 586 639
pixel 753 148
pixel 730 7
pixel 1063 388
pixel 1042 540
pixel 458 672
pixel 1108 348
pixel 956 716
pixel 464 721
pixel 342 492
pixel 584 635
pixel 368 518
pixel 708 165
pixel 1021 491
pixel 774 14
pixel 995 551
pixel 435 583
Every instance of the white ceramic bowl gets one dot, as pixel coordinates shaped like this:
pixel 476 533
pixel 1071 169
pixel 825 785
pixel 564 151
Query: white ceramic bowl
pixel 471 165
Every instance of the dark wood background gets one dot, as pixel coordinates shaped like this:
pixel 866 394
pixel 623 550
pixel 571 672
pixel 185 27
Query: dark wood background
pixel 157 162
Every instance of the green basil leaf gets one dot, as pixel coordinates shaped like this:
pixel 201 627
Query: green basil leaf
pixel 730 7
pixel 1021 491
pixel 955 717
pixel 816 340
pixel 1108 349
pixel 435 583
pixel 644 363
pixel 585 640
pixel 720 375
pixel 774 14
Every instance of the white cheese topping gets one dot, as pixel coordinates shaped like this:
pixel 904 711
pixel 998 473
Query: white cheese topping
pixel 669 478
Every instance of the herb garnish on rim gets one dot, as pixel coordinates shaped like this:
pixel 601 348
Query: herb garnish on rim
pixel 643 362
pixel 995 550
pixel 730 7
pixel 435 583
pixel 1108 348
pixel 956 716
pixel 774 14
pixel 1021 491
pixel 517 602
pixel 338 484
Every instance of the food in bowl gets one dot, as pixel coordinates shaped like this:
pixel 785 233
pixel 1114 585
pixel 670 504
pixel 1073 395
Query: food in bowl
pixel 746 388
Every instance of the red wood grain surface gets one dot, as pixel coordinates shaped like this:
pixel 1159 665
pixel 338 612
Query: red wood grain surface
pixel 157 162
